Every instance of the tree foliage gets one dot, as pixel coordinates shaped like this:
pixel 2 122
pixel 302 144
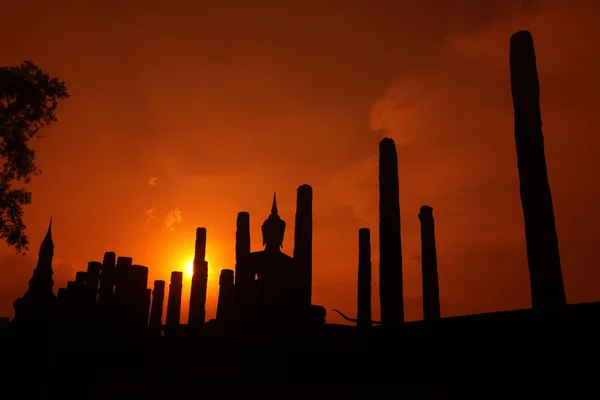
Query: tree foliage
pixel 28 99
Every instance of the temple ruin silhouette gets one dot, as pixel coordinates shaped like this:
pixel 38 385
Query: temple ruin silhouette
pixel 268 292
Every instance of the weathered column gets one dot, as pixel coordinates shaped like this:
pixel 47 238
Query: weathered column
pixel 92 280
pixel 139 278
pixel 303 232
pixel 121 273
pixel 80 277
pixel 61 294
pixel 62 306
pixel 77 290
pixel 547 287
pixel 174 301
pixel 364 278
pixel 107 278
pixel 197 313
pixel 244 275
pixel 242 249
pixel 226 295
pixel 390 245
pixel 120 306
pixel 158 297
pixel 147 301
pixel 72 302
pixel 431 290
pixel 136 297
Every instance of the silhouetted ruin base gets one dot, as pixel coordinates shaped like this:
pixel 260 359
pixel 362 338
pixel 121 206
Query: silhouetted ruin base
pixel 483 354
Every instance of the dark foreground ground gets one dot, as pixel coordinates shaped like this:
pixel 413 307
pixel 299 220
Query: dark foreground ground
pixel 504 355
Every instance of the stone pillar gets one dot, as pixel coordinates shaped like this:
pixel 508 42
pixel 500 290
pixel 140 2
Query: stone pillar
pixel 80 277
pixel 92 280
pixel 158 297
pixel 120 307
pixel 242 249
pixel 147 302
pixel 547 287
pixel 139 278
pixel 121 273
pixel 107 278
pixel 77 292
pixel 364 278
pixel 431 291
pixel 390 244
pixel 174 301
pixel 303 235
pixel 136 295
pixel 226 295
pixel 197 313
pixel 72 302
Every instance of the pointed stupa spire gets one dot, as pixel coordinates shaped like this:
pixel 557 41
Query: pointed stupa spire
pixel 274 206
pixel 47 245
pixel 49 233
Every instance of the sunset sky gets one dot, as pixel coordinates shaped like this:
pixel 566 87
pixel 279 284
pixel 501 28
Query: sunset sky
pixel 183 113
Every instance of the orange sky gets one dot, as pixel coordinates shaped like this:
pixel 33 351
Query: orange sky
pixel 226 101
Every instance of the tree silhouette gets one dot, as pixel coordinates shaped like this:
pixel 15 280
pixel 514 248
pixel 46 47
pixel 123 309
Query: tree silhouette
pixel 28 99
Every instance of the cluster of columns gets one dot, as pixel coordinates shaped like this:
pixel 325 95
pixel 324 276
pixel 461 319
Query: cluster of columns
pixel 113 292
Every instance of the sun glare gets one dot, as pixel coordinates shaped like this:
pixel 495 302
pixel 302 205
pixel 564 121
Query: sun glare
pixel 189 268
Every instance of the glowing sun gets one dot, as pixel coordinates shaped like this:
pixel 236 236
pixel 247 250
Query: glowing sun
pixel 189 268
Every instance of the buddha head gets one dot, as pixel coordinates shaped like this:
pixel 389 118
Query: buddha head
pixel 273 229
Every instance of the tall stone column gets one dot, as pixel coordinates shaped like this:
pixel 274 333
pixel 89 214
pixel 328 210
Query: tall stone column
pixel 197 313
pixel 77 289
pixel 242 250
pixel 174 301
pixel 80 278
pixel 226 295
pixel 139 278
pixel 303 235
pixel 364 278
pixel 156 312
pixel 147 302
pixel 134 301
pixel 122 273
pixel 431 291
pixel 92 280
pixel 390 244
pixel 107 278
pixel 547 287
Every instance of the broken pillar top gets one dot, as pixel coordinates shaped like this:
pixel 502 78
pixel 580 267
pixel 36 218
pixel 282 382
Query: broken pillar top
pixel 200 253
pixel 124 262
pixel 525 84
pixel 243 216
pixel 387 143
pixel 305 189
pixel 80 276
pixel 110 258
pixel 94 268
pixel 226 272
pixel 177 277
pixel 426 210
